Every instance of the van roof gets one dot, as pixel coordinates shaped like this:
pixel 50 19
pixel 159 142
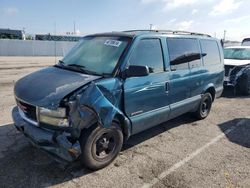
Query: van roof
pixel 134 33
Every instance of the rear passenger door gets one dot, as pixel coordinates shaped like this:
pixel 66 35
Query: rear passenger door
pixel 184 55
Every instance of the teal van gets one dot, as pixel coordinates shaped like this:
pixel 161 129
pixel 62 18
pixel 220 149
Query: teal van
pixel 114 85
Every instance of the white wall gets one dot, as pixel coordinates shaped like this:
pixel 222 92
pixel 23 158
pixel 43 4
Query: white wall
pixel 10 47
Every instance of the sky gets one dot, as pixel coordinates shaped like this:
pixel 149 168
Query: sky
pixel 58 16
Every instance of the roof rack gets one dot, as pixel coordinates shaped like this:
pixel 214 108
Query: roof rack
pixel 170 32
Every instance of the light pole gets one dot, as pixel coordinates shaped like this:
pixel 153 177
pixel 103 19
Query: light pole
pixel 224 36
pixel 55 41
pixel 74 28
pixel 150 26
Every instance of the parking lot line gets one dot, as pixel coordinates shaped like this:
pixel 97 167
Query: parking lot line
pixel 8 123
pixel 191 156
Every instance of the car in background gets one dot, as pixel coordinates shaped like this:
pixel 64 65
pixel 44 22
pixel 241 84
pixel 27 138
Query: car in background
pixel 237 68
pixel 246 42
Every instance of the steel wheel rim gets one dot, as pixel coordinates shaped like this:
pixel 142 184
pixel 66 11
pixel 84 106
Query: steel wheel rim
pixel 104 146
pixel 205 106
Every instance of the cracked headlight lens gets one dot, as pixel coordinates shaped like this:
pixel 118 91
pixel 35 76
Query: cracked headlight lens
pixel 53 117
pixel 59 112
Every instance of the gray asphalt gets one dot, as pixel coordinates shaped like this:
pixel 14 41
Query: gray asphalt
pixel 183 152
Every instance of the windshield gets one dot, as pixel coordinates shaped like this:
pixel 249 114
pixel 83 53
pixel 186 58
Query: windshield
pixel 237 53
pixel 97 54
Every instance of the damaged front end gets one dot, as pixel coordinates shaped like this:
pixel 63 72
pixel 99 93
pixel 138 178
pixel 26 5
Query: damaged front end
pixel 99 103
pixel 234 73
pixel 58 130
pixel 56 142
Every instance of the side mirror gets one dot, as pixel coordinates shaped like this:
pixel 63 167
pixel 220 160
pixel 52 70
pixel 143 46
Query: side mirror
pixel 136 71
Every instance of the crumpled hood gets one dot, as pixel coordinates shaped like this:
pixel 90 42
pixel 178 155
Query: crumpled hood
pixel 47 87
pixel 236 62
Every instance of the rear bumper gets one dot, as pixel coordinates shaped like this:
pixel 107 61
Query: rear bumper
pixel 55 143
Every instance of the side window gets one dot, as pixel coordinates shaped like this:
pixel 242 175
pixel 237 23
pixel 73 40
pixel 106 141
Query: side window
pixel 148 53
pixel 211 52
pixel 183 52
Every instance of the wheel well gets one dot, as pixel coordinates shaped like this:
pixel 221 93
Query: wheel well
pixel 211 90
pixel 117 118
pixel 123 125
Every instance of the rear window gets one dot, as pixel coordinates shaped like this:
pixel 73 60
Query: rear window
pixel 210 52
pixel 183 52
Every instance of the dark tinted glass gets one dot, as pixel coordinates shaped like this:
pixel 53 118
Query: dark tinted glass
pixel 148 53
pixel 183 52
pixel 211 52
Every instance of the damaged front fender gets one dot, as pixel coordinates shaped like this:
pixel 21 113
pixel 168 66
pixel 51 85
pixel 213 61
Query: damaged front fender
pixel 99 102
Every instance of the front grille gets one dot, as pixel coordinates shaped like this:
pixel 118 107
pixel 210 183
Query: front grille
pixel 28 110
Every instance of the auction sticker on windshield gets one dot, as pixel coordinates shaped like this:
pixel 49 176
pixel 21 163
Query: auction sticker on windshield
pixel 115 43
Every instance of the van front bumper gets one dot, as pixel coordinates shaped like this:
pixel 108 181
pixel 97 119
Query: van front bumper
pixel 55 143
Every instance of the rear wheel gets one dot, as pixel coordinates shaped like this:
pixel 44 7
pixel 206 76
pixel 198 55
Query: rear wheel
pixel 205 106
pixel 100 146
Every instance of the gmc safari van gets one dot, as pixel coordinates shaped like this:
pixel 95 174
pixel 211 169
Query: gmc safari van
pixel 113 85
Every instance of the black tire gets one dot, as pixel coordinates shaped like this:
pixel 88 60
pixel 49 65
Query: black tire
pixel 100 146
pixel 244 84
pixel 205 106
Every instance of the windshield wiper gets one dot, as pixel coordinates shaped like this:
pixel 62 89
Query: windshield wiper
pixel 75 65
pixel 70 66
pixel 61 62
pixel 90 72
pixel 83 69
pixel 78 67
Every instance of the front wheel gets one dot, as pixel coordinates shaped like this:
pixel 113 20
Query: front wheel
pixel 101 146
pixel 205 106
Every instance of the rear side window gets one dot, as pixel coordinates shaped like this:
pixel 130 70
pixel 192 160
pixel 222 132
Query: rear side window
pixel 183 52
pixel 210 52
pixel 148 53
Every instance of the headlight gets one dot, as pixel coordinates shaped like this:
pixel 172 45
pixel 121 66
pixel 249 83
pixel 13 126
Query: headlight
pixel 53 117
pixel 59 112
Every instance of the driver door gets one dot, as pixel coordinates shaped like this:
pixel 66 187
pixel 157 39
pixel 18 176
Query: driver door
pixel 146 99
